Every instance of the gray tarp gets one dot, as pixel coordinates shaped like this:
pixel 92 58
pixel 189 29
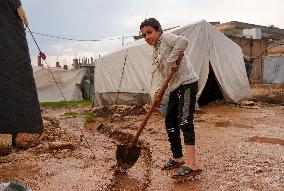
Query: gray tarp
pixel 19 106
pixel 273 70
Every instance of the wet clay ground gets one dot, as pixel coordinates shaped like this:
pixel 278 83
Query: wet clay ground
pixel 238 149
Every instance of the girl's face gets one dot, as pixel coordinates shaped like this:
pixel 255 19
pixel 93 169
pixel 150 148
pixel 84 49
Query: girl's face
pixel 150 35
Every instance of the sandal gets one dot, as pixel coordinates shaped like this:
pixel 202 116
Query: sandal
pixel 185 171
pixel 171 164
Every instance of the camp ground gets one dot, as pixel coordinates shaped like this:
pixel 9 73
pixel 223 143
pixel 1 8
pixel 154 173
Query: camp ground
pixel 93 125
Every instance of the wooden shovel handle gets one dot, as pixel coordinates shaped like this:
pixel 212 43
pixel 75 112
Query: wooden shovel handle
pixel 155 103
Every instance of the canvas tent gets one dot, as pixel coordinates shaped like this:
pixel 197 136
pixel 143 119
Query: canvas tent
pixel 68 81
pixel 124 76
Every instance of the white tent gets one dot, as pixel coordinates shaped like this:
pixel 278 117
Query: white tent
pixel 125 76
pixel 68 81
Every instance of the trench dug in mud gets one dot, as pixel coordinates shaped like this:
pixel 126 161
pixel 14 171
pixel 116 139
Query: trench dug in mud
pixel 130 179
pixel 237 149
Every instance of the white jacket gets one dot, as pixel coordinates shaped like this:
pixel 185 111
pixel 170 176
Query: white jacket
pixel 165 55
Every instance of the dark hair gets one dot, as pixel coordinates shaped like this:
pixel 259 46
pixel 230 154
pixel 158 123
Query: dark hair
pixel 152 22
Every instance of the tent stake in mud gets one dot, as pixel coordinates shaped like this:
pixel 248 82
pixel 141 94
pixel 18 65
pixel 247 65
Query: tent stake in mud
pixel 127 155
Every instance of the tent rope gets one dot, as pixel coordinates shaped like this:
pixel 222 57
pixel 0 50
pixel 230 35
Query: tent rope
pixel 80 40
pixel 42 55
pixel 121 78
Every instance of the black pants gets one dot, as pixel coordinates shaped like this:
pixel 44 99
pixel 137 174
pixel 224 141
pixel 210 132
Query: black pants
pixel 181 107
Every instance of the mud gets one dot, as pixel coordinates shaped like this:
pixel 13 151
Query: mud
pixel 268 93
pixel 266 140
pixel 237 148
pixel 130 179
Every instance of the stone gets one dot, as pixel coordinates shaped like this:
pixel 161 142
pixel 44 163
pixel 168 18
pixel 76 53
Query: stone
pixel 46 123
pixel 27 140
pixel 5 144
pixel 116 115
pixel 247 103
pixel 61 145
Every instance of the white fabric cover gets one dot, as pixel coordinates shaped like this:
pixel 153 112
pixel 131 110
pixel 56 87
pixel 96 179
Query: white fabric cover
pixel 273 70
pixel 205 44
pixel 68 81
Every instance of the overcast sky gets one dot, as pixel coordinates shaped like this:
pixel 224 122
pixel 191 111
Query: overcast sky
pixel 103 19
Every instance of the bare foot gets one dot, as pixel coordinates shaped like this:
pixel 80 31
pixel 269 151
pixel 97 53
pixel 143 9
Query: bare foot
pixel 179 160
pixel 193 166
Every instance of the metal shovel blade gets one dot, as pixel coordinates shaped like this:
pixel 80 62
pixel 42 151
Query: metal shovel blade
pixel 127 156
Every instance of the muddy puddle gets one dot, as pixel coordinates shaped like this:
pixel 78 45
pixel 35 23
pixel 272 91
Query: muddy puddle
pixel 137 177
pixel 122 181
pixel 232 124
pixel 269 140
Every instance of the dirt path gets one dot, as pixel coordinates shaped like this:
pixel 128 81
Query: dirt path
pixel 238 149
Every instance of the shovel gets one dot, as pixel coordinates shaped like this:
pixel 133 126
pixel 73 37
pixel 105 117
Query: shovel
pixel 127 155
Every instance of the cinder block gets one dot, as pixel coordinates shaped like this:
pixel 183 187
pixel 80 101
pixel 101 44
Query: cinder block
pixel 27 140
pixel 5 144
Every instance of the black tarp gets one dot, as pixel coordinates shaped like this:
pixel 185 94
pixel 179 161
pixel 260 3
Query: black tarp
pixel 19 105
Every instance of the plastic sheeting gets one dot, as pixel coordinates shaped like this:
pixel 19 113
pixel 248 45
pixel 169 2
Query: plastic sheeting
pixel 273 70
pixel 129 70
pixel 68 81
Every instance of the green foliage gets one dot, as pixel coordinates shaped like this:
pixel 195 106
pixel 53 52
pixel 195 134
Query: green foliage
pixel 89 117
pixel 70 114
pixel 63 104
